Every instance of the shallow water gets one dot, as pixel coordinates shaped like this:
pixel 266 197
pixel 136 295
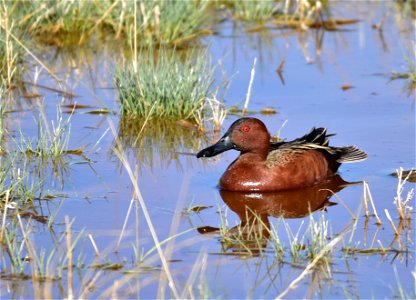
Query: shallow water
pixel 376 115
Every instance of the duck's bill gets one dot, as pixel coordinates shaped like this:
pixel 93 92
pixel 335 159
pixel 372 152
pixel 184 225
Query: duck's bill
pixel 222 145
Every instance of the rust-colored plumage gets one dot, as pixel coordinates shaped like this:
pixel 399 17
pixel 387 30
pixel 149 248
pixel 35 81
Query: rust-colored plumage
pixel 267 166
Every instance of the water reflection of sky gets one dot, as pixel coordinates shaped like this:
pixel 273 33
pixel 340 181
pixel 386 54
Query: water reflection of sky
pixel 375 115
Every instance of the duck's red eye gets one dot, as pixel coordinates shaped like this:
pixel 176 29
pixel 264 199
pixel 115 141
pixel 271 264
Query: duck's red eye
pixel 246 128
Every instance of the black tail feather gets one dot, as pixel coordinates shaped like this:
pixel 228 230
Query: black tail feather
pixel 349 154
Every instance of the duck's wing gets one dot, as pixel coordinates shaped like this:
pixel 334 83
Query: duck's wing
pixel 317 136
pixel 317 139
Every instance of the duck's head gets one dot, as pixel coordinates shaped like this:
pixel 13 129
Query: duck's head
pixel 245 135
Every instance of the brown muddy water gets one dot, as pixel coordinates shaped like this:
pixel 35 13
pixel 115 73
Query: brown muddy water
pixel 375 114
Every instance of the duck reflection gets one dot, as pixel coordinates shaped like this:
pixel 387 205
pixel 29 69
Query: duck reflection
pixel 254 209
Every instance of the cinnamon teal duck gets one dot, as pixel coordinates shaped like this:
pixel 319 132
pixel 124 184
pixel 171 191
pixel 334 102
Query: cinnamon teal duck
pixel 267 166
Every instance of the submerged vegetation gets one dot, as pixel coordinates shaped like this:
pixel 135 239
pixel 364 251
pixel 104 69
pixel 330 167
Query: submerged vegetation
pixel 173 139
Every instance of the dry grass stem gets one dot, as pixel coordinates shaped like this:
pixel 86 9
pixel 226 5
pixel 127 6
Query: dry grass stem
pixel 391 222
pixel 367 212
pixel 312 264
pixel 6 204
pixel 367 192
pixel 125 223
pixel 365 231
pixel 31 54
pixel 97 252
pixel 374 237
pixel 402 205
pixel 380 244
pixel 69 255
pixel 99 21
pixel 199 264
pixel 134 181
pixel 342 202
pixel 253 72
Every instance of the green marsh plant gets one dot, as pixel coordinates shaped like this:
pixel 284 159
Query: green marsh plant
pixel 161 84
pixel 11 55
pixel 23 259
pixel 52 141
pixel 16 184
pixel 156 21
pixel 163 22
pixel 257 10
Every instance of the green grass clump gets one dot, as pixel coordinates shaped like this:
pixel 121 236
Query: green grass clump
pixel 260 10
pixel 271 10
pixel 162 22
pixel 11 55
pixel 51 144
pixel 57 16
pixel 163 85
pixel 16 184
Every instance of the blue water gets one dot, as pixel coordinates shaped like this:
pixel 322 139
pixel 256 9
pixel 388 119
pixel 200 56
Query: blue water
pixel 376 115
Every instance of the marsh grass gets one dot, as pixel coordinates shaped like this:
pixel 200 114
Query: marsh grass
pixel 254 234
pixel 26 161
pixel 300 14
pixel 24 259
pixel 409 76
pixel 313 245
pixel 11 55
pixel 253 11
pixel 52 144
pixel 16 184
pixel 161 22
pixel 53 17
pixel 162 84
pixel 399 246
pixel 165 22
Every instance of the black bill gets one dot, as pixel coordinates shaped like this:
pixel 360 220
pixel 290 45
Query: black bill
pixel 222 145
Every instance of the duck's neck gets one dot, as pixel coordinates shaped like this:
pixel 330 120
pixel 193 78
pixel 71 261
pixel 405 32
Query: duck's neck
pixel 253 156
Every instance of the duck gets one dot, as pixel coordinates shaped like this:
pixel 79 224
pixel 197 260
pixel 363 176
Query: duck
pixel 267 166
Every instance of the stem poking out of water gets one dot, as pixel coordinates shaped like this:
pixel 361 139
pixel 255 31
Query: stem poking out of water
pixel 69 246
pixel 94 245
pixel 367 192
pixel 253 71
pixel 391 222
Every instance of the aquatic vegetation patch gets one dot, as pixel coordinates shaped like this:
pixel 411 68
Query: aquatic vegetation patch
pixel 26 260
pixel 161 22
pixel 16 184
pixel 299 13
pixel 56 16
pixel 11 55
pixel 253 10
pixel 164 85
pixel 164 22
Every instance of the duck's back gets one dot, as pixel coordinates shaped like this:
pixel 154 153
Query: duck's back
pixel 283 153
